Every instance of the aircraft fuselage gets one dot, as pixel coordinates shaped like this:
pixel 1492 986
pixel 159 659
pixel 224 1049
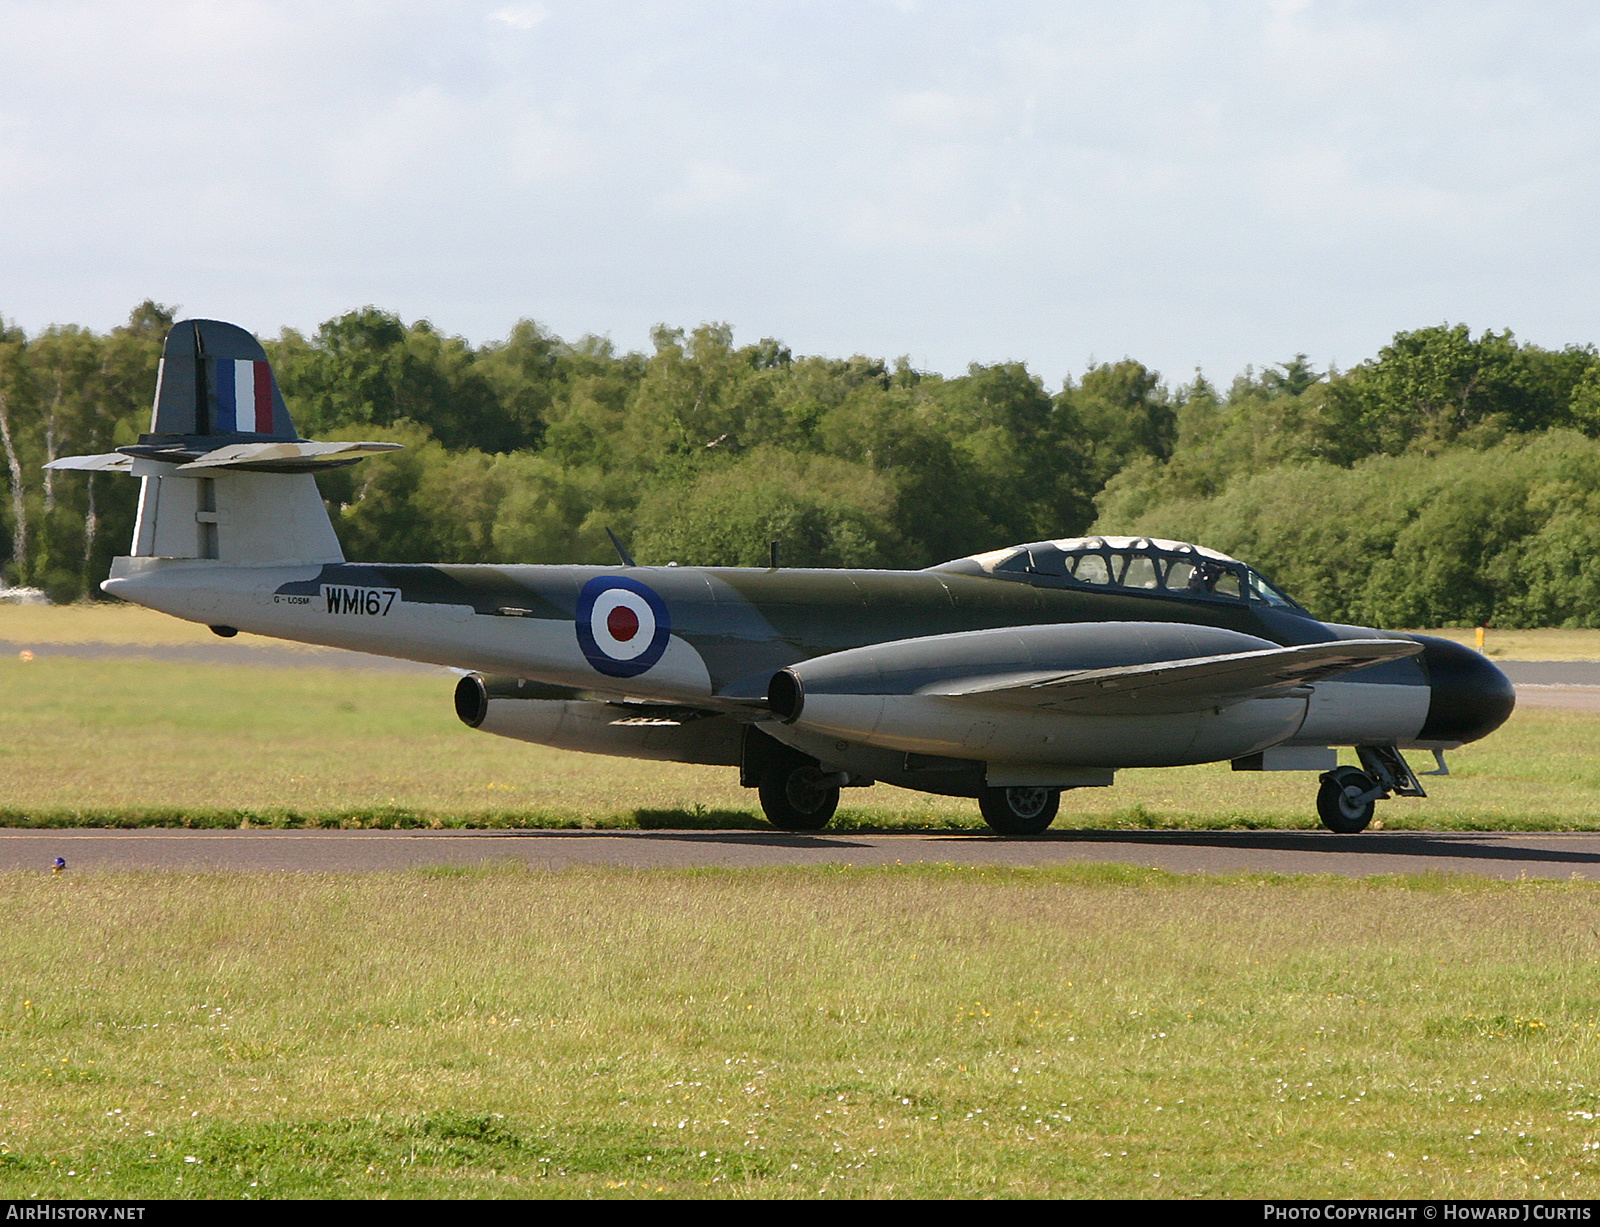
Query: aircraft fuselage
pixel 721 633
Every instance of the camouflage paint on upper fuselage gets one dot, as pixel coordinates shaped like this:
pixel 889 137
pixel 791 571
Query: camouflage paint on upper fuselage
pixel 747 623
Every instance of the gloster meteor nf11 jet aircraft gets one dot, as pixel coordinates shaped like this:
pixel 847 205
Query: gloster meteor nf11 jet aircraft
pixel 1008 676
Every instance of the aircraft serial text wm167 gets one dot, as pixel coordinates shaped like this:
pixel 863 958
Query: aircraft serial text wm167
pixel 1008 676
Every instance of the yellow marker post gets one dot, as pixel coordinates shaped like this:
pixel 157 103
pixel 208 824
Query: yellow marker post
pixel 1480 639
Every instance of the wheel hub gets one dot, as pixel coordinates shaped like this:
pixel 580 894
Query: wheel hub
pixel 1350 804
pixel 806 790
pixel 1027 802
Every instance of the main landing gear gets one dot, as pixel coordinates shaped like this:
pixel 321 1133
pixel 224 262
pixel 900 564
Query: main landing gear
pixel 1348 795
pixel 802 797
pixel 1019 811
pixel 798 796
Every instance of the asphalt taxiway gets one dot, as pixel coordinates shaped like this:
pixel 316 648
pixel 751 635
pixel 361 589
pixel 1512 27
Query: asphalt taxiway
pixel 1513 855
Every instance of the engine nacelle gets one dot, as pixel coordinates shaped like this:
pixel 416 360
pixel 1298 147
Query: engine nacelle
pixel 953 728
pixel 530 711
pixel 888 696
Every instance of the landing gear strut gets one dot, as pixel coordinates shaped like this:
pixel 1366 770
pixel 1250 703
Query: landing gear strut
pixel 1347 795
pixel 1019 811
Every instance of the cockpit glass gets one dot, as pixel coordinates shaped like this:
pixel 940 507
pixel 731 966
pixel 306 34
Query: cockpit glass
pixel 1140 566
pixel 1261 590
pixel 1092 569
pixel 1203 577
pixel 1141 573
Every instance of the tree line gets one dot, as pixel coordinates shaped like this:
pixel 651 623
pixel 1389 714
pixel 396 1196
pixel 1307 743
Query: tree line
pixel 1452 478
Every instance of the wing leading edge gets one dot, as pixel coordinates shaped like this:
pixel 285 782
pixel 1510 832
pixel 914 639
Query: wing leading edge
pixel 1184 685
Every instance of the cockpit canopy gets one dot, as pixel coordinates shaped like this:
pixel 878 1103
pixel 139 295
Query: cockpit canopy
pixel 1140 564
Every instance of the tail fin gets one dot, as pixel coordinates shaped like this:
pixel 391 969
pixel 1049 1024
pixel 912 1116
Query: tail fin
pixel 215 381
pixel 224 473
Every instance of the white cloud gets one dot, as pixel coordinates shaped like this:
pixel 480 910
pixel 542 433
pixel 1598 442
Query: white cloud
pixel 521 16
pixel 540 149
pixel 940 112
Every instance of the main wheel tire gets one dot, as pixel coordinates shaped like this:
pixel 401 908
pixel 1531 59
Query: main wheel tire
pixel 1336 800
pixel 1019 811
pixel 797 798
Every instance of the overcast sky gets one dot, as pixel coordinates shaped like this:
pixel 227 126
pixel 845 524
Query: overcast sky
pixel 1187 183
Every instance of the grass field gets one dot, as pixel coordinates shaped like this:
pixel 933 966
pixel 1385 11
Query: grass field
pixel 91 741
pixel 106 622
pixel 1553 644
pixel 916 1033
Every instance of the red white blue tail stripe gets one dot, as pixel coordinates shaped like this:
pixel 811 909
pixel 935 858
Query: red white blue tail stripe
pixel 244 396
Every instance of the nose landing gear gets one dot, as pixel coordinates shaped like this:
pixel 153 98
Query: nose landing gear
pixel 1346 800
pixel 1348 794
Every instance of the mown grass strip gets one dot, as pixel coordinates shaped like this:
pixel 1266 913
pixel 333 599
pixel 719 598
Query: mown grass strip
pixel 917 1031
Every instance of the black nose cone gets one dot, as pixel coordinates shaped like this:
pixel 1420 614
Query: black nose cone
pixel 1471 698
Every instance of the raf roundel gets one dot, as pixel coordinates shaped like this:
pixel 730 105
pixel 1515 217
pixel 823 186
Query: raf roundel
pixel 622 625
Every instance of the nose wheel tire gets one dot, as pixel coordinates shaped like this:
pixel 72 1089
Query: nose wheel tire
pixel 1337 800
pixel 797 798
pixel 1019 811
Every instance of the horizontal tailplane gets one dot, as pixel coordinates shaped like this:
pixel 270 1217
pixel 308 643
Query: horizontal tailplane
pixel 225 475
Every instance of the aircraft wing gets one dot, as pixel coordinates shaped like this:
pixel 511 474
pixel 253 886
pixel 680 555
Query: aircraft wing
pixel 295 457
pixel 1184 685
pixel 106 462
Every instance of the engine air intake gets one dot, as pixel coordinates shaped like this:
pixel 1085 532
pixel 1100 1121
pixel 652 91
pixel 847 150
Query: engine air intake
pixel 472 700
pixel 786 696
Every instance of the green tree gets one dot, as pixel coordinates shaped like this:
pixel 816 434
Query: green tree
pixel 824 512
pixel 1122 413
pixel 1438 385
pixel 1260 425
pixel 1461 537
pixel 13 411
pixel 367 367
pixel 700 393
pixel 1021 453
